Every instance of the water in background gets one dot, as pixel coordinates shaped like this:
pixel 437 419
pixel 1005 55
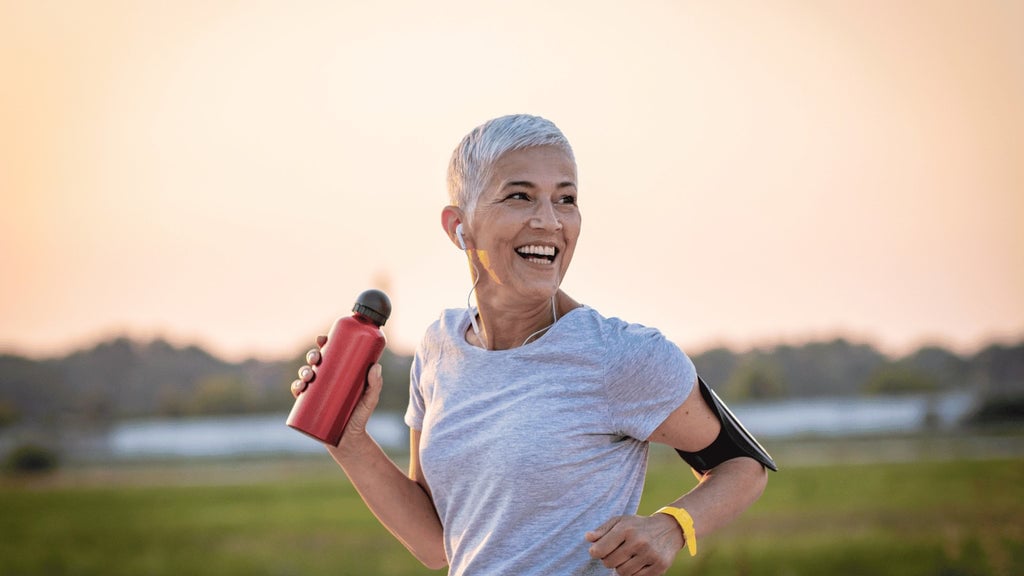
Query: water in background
pixel 852 416
pixel 262 434
pixel 235 435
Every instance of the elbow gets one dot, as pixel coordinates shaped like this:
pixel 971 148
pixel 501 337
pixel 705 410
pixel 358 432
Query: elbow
pixel 433 560
pixel 761 479
pixel 434 563
pixel 755 472
pixel 749 477
pixel 751 480
pixel 757 478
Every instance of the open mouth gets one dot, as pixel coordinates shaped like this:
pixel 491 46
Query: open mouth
pixel 537 254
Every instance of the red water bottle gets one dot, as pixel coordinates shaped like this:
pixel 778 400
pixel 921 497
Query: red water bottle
pixel 354 344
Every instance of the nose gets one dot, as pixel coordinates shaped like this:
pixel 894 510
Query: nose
pixel 545 218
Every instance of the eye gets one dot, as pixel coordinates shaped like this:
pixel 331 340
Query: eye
pixel 567 199
pixel 518 196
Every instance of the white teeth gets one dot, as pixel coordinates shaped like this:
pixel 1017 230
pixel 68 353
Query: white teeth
pixel 537 250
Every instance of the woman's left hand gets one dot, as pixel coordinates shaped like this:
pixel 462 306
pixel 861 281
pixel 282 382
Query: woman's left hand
pixel 637 545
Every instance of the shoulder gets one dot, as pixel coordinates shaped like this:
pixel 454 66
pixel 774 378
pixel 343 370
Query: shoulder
pixel 623 345
pixel 647 376
pixel 437 342
pixel 446 324
pixel 441 331
pixel 617 332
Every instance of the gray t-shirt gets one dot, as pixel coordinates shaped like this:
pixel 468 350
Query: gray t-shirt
pixel 527 449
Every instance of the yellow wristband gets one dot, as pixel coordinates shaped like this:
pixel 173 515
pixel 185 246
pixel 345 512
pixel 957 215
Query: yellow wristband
pixel 686 523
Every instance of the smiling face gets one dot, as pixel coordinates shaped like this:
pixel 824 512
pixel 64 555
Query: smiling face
pixel 525 225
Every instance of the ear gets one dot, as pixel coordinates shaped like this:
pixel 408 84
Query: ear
pixel 451 217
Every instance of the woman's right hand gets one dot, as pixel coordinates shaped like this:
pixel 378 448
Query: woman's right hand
pixel 355 430
pixel 402 503
pixel 356 427
pixel 308 370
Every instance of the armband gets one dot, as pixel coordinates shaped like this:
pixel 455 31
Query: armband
pixel 732 442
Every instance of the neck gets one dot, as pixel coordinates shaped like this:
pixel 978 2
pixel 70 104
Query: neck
pixel 504 329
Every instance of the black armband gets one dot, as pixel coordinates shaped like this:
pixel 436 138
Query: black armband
pixel 732 442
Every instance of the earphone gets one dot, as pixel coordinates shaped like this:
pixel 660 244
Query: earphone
pixel 458 233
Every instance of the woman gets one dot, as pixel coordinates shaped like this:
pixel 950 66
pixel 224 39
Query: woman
pixel 530 416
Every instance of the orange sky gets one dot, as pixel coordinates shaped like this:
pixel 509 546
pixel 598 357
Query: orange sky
pixel 233 174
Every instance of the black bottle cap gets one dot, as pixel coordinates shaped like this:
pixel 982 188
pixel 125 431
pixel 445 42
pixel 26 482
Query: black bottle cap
pixel 375 305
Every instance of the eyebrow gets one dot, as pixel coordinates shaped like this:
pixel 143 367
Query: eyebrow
pixel 528 184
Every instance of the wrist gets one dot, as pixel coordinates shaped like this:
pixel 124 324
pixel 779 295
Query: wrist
pixel 684 521
pixel 351 446
pixel 671 531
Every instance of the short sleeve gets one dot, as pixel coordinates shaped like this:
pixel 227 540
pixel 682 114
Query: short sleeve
pixel 653 378
pixel 417 407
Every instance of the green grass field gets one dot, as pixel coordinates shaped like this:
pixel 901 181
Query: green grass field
pixel 301 517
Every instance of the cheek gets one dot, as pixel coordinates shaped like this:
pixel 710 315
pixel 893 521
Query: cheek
pixel 568 253
pixel 573 221
pixel 572 228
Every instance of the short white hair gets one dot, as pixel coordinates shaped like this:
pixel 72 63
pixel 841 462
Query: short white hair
pixel 470 168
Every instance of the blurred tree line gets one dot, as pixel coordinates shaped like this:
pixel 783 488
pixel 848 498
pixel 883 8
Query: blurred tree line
pixel 122 378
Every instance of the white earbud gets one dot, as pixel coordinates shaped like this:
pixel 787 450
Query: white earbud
pixel 458 233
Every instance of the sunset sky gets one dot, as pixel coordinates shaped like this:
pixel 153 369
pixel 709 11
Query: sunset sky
pixel 232 174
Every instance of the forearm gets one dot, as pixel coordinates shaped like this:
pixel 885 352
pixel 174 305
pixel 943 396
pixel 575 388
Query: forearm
pixel 723 494
pixel 400 503
pixel 629 543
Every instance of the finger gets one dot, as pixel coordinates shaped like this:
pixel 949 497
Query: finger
pixel 595 534
pixel 620 559
pixel 375 377
pixel 604 539
pixel 641 571
pixel 631 566
pixel 297 387
pixel 374 384
pixel 313 357
pixel 367 403
pixel 651 570
pixel 306 374
pixel 320 341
